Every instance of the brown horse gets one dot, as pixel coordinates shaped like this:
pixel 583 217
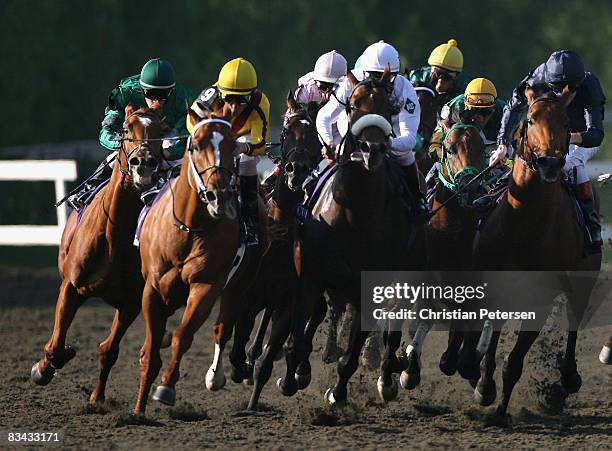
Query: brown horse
pixel 188 243
pixel 534 228
pixel 358 224
pixel 450 232
pixel 96 255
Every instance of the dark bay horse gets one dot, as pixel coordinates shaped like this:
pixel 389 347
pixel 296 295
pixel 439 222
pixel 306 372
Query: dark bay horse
pixel 276 282
pixel 359 223
pixel 450 233
pixel 535 228
pixel 427 125
pixel 96 254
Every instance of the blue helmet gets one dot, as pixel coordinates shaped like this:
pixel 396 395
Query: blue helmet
pixel 564 67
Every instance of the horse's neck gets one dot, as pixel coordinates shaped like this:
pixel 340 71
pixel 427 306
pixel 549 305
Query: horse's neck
pixel 121 204
pixel 284 202
pixel 185 202
pixel 452 217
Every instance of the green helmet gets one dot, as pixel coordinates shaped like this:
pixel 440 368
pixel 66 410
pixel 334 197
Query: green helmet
pixel 157 74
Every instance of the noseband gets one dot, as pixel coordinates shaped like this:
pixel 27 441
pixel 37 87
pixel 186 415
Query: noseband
pixel 145 143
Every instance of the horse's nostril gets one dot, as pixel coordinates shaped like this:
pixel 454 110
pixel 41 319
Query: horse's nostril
pixel 211 196
pixel 289 168
pixel 134 161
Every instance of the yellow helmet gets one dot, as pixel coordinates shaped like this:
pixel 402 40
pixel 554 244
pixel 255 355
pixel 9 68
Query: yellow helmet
pixel 237 76
pixel 447 56
pixel 480 93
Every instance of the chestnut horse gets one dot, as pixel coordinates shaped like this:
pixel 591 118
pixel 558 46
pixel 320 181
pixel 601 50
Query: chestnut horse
pixel 96 254
pixel 188 243
pixel 359 223
pixel 535 228
pixel 450 234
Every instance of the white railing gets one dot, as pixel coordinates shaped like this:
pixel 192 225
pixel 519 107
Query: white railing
pixel 59 171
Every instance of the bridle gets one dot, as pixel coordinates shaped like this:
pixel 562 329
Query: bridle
pixel 204 194
pixel 536 162
pixel 145 143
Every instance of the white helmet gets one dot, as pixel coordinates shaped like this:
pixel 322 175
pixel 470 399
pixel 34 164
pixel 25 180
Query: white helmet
pixel 377 56
pixel 330 67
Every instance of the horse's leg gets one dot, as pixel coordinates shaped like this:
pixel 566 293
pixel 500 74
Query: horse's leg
pixel 468 358
pixel 605 356
pixel 387 385
pixel 448 360
pixel 411 376
pixel 513 365
pixel 295 347
pixel 202 297
pixel 332 351
pixel 347 365
pixel 150 360
pixel 57 354
pixel 109 348
pixel 263 367
pixel 241 371
pixel 303 373
pixel 485 391
pixel 256 347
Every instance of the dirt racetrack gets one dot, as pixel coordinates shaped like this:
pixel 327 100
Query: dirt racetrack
pixel 440 413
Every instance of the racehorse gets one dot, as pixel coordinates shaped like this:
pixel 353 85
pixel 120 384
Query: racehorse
pixel 450 233
pixel 534 228
pixel 96 254
pixel 188 243
pixel 276 282
pixel 359 223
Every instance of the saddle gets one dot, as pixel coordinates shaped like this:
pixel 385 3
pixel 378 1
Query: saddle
pixel 303 211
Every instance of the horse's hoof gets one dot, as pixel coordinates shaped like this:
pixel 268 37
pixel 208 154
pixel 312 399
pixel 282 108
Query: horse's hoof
pixel 468 364
pixel 167 339
pixel 473 382
pixel 448 365
pixel 215 381
pixel 41 378
pixel 303 380
pixel 238 375
pixel 248 381
pixel 485 393
pixel 571 382
pixel 333 399
pixel 605 356
pixel 165 395
pixel 411 376
pixel 288 387
pixel 387 392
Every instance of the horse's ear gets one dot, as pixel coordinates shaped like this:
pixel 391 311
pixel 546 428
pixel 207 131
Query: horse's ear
pixel 129 109
pixel 530 95
pixel 291 103
pixel 350 76
pixel 386 74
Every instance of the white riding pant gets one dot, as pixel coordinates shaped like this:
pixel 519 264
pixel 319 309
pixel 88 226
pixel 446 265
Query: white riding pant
pixel 577 157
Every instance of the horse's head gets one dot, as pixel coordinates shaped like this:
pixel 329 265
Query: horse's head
pixel 463 158
pixel 210 155
pixel 140 154
pixel 544 140
pixel 370 108
pixel 300 147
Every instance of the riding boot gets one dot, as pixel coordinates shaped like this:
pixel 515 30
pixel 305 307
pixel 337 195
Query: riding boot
pixel 421 210
pixel 248 207
pixel 101 174
pixel 591 217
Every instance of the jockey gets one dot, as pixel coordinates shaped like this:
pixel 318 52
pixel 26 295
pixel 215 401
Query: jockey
pixel 237 86
pixel 155 87
pixel 444 73
pixel 561 74
pixel 318 85
pixel 479 106
pixel 375 59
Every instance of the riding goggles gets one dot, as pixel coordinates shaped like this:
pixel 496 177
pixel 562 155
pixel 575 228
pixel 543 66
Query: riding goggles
pixel 378 75
pixel 442 74
pixel 235 98
pixel 558 87
pixel 479 100
pixel 324 86
pixel 157 94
